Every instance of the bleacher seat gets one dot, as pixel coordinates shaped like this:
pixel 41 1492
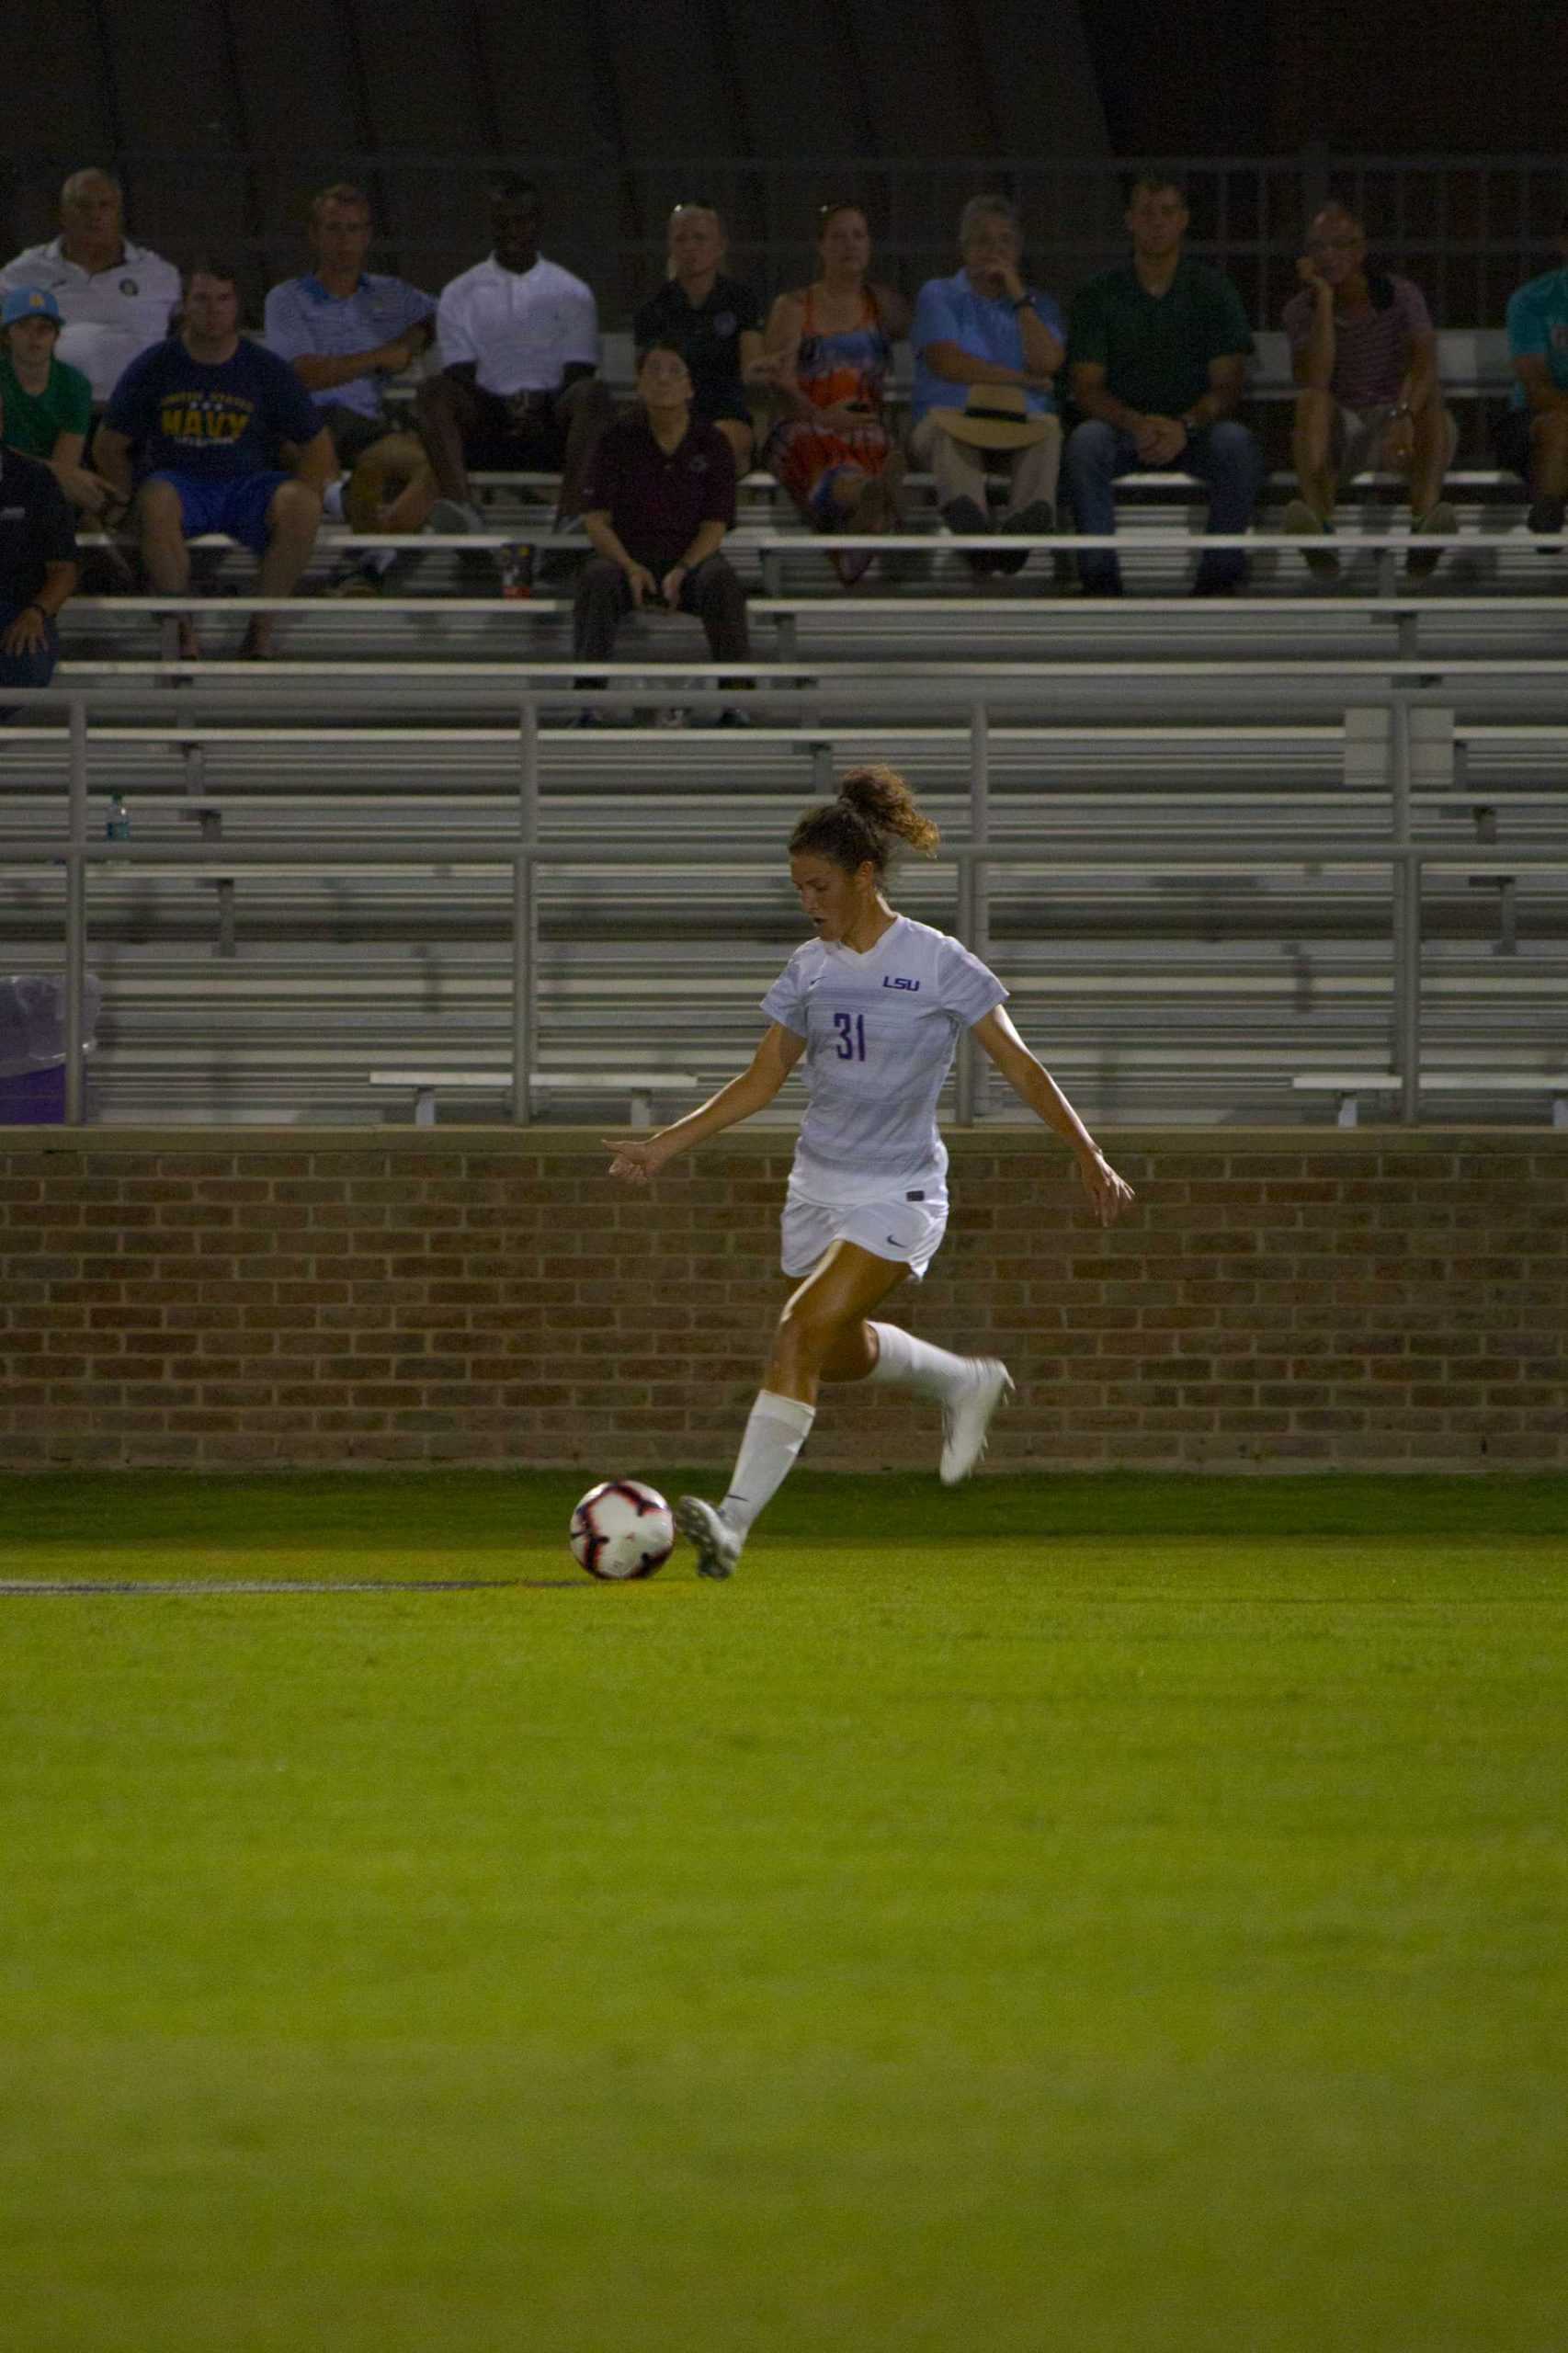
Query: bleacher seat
pixel 1212 985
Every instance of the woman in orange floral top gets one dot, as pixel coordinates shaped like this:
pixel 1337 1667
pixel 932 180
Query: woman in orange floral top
pixel 826 353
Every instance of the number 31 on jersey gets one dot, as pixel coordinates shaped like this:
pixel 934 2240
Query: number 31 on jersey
pixel 851 1028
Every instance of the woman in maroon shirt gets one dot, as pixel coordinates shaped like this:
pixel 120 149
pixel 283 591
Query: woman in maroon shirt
pixel 659 498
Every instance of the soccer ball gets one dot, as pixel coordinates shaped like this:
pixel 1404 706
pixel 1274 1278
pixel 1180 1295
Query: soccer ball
pixel 621 1529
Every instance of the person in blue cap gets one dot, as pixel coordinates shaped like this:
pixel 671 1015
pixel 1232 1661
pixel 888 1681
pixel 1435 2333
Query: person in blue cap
pixel 38 566
pixel 48 404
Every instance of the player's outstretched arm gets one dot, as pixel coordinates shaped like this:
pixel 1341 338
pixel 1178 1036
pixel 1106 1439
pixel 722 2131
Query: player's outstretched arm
pixel 1033 1084
pixel 638 1162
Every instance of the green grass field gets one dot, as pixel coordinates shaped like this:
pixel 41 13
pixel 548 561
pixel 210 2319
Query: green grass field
pixel 1101 1916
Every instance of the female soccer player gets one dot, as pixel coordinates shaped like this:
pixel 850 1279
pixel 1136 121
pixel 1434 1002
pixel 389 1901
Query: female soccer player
pixel 875 1003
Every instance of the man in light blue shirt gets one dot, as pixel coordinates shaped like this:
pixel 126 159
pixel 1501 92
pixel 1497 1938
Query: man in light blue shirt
pixel 1531 439
pixel 981 330
pixel 345 332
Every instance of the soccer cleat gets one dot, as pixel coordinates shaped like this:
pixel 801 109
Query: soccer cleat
pixel 718 1544
pixel 967 1420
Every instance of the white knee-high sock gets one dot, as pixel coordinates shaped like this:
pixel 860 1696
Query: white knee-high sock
pixel 904 1362
pixel 775 1434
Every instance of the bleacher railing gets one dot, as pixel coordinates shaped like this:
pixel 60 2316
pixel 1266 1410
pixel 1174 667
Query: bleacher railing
pixel 523 850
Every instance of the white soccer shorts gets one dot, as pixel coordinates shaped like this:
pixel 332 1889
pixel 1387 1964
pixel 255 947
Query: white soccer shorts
pixel 896 1228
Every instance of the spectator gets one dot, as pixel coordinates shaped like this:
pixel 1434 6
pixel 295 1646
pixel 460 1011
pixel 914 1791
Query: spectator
pixel 207 415
pixel 344 333
pixel 715 321
pixel 1531 438
pixel 47 403
pixel 38 568
pixel 115 298
pixel 827 352
pixel 985 327
pixel 1366 358
pixel 1157 359
pixel 519 342
pixel 659 496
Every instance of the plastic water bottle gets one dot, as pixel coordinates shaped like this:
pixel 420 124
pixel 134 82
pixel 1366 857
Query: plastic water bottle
pixel 517 560
pixel 117 828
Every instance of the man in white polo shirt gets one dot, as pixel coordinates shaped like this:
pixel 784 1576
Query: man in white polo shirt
pixel 519 345
pixel 115 299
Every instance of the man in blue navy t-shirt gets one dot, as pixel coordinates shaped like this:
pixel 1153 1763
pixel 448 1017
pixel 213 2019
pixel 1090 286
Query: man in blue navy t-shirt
pixel 209 414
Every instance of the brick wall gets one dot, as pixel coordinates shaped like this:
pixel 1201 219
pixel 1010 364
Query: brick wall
pixel 1277 1301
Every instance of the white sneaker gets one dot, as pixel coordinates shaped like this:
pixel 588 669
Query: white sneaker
pixel 967 1420
pixel 718 1545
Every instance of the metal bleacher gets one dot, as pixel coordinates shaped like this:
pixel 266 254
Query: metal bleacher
pixel 1186 809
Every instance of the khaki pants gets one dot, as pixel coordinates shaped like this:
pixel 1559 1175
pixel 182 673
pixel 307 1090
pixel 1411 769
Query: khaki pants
pixel 960 470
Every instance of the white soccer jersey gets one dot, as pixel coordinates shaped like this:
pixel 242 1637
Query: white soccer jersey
pixel 523 328
pixel 111 315
pixel 881 1032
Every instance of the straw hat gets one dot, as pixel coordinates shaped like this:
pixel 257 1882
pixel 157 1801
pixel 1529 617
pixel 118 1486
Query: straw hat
pixel 994 416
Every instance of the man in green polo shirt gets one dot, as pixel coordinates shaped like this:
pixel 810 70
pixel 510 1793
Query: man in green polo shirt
pixel 47 403
pixel 1156 358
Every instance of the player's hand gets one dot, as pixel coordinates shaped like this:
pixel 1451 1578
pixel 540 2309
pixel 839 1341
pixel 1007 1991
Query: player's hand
pixel 641 582
pixel 634 1163
pixel 1112 1196
pixel 672 584
pixel 1309 273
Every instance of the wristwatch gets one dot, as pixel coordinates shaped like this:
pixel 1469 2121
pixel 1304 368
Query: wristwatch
pixel 1022 303
pixel 1398 409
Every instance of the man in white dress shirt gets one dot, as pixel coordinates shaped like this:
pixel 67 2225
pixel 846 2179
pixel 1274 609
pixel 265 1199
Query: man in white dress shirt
pixel 115 299
pixel 518 389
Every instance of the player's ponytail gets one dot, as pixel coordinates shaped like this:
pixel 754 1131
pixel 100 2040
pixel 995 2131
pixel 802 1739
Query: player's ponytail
pixel 883 798
pixel 875 811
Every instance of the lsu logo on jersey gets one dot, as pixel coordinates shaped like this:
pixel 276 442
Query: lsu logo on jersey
pixel 897 981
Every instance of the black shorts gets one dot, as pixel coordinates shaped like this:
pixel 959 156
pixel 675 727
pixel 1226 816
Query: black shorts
pixel 352 432
pixel 496 443
pixel 1511 441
